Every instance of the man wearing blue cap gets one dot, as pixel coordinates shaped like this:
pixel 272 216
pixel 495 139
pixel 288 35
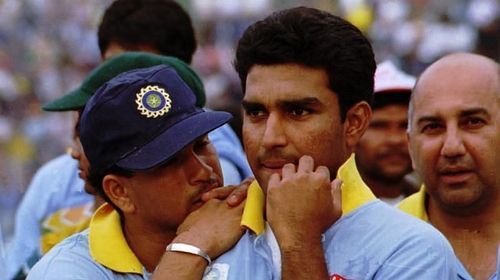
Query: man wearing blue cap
pixel 158 26
pixel 151 159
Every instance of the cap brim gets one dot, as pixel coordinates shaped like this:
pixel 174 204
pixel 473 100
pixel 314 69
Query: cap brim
pixel 74 100
pixel 174 139
pixel 402 90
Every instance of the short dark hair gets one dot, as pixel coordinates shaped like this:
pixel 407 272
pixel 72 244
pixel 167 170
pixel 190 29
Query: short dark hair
pixel 316 39
pixel 381 100
pixel 161 24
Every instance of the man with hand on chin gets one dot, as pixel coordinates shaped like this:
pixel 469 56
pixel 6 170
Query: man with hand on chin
pixel 307 78
pixel 151 160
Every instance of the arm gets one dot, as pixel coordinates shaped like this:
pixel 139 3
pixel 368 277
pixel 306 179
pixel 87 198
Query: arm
pixel 29 213
pixel 214 228
pixel 301 205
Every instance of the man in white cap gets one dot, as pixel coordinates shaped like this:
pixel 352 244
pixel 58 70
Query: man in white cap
pixel 382 153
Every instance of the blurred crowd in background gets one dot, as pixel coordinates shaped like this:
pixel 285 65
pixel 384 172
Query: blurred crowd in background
pixel 47 47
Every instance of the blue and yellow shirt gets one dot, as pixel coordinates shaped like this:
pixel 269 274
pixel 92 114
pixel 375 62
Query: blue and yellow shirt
pixel 415 205
pixel 370 241
pixel 99 252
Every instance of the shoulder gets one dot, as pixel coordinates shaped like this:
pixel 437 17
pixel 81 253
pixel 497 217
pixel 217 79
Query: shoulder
pixel 390 230
pixel 394 244
pixel 63 161
pixel 58 169
pixel 56 184
pixel 246 247
pixel 71 259
pixel 249 259
pixel 393 224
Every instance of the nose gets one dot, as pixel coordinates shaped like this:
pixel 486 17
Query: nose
pixel 75 153
pixel 201 172
pixel 396 137
pixel 274 134
pixel 453 145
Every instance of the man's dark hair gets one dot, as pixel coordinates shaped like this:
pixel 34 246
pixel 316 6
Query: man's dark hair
pixel 316 39
pixel 381 100
pixel 161 24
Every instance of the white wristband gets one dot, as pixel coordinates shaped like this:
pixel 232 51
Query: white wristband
pixel 190 249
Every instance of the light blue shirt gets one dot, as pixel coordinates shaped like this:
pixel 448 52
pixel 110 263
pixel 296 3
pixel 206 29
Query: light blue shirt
pixel 2 254
pixel 415 205
pixel 232 158
pixel 463 274
pixel 373 241
pixel 70 259
pixel 55 185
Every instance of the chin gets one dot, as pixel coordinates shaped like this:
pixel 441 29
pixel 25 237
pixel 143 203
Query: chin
pixel 89 189
pixel 461 201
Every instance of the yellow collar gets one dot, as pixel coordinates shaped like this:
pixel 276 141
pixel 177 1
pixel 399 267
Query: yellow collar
pixel 415 205
pixel 355 193
pixel 108 245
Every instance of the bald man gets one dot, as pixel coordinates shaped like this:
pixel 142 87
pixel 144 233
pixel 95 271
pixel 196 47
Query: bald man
pixel 454 140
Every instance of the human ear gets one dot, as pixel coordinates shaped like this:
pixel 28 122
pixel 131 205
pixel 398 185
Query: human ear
pixel 116 189
pixel 410 151
pixel 356 122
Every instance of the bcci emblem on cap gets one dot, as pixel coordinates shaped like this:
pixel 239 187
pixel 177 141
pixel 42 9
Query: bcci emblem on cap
pixel 153 101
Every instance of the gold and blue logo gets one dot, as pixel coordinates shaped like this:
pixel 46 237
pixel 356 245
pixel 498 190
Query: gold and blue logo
pixel 153 101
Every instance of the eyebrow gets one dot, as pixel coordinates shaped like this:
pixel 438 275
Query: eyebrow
pixel 284 103
pixel 474 111
pixel 300 102
pixel 464 113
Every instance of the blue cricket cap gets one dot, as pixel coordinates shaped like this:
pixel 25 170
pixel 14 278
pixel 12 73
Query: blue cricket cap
pixel 141 118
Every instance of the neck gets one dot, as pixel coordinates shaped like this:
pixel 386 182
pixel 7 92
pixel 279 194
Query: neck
pixel 474 238
pixel 148 245
pixel 384 189
pixel 98 201
pixel 483 222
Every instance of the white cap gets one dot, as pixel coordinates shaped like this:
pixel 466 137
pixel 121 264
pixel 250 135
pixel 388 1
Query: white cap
pixel 389 78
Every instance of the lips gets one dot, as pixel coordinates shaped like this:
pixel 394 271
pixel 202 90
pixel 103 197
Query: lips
pixel 394 155
pixel 455 175
pixel 205 187
pixel 197 204
pixel 275 164
pixel 82 174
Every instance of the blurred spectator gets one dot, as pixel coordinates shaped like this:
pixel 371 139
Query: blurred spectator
pixel 382 153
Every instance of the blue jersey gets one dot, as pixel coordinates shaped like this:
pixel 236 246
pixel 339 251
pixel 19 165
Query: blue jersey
pixel 415 206
pixel 2 253
pixel 107 256
pixel 370 241
pixel 374 241
pixel 55 185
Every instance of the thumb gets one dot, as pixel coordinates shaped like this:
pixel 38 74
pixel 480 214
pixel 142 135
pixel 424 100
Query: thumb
pixel 336 190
